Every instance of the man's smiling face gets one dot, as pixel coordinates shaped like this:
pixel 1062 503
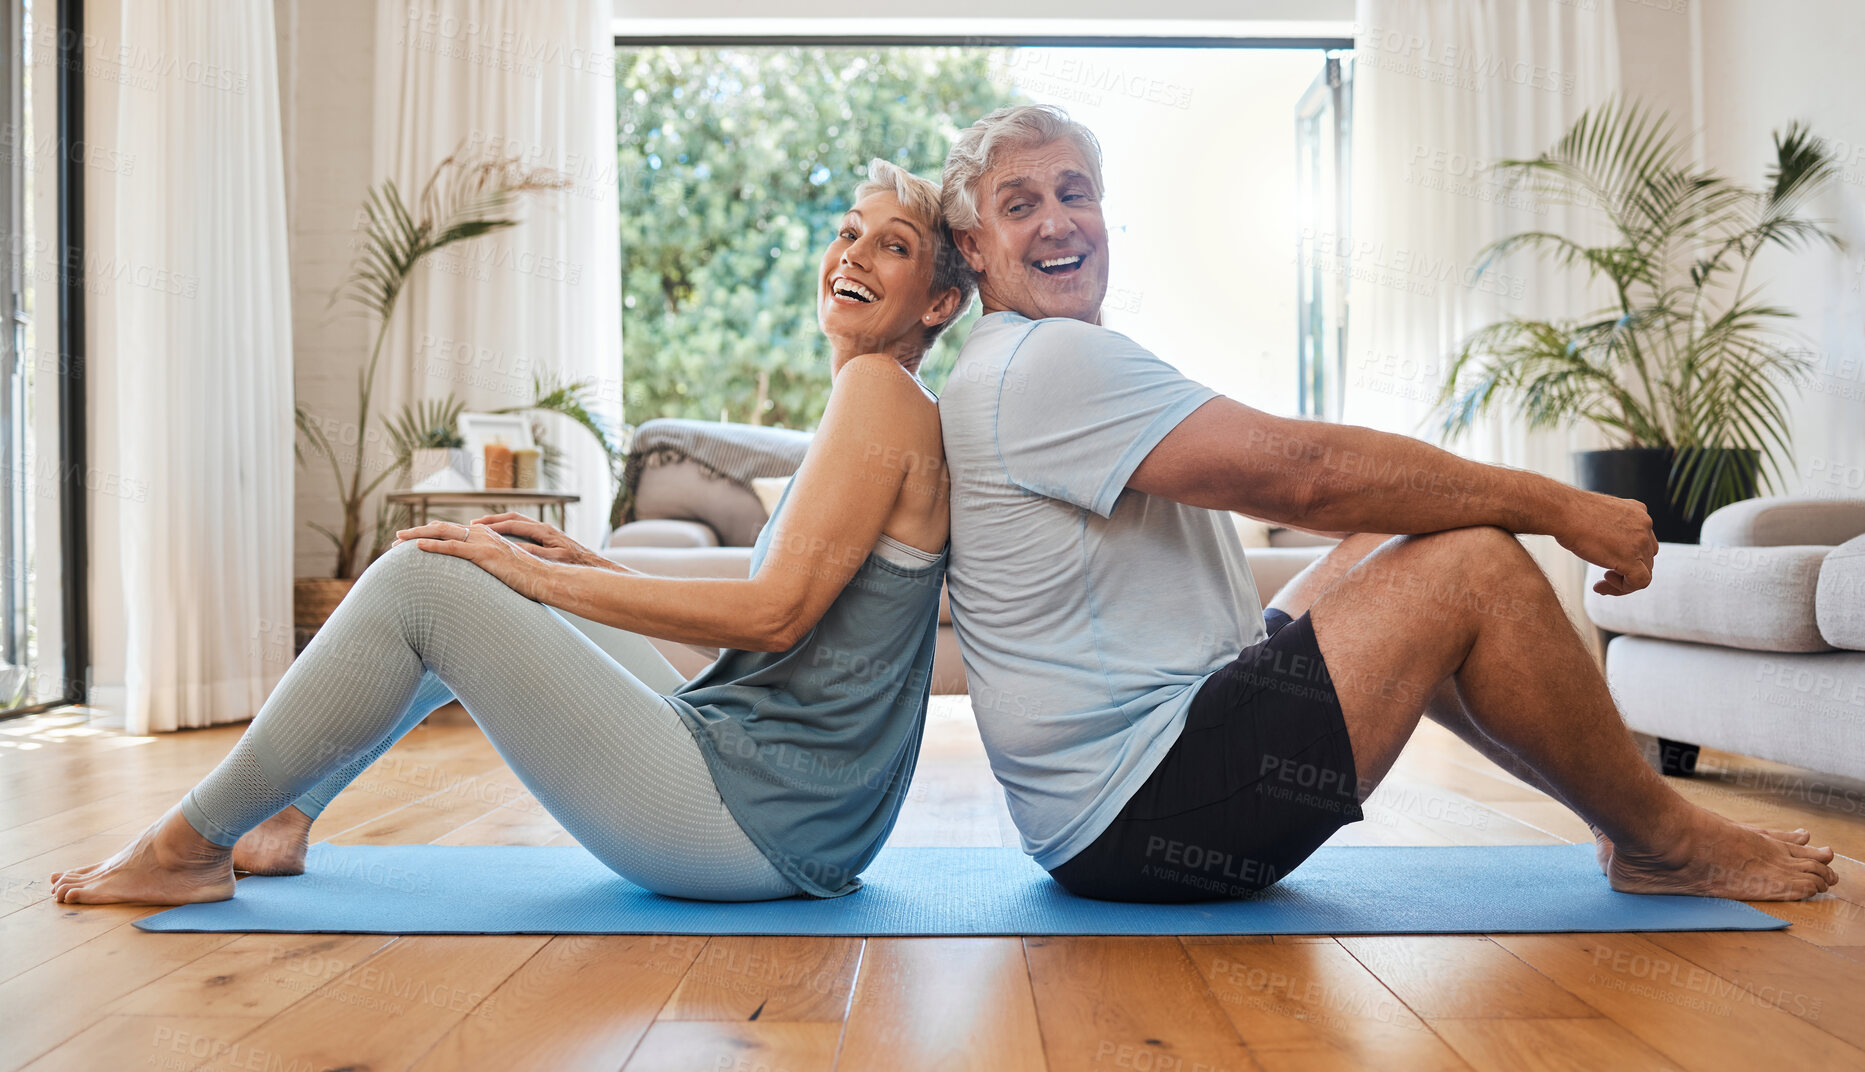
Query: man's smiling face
pixel 1040 247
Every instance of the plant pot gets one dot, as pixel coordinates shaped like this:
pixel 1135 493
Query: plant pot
pixel 314 598
pixel 1644 473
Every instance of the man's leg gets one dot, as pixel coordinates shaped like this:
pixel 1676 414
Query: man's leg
pixel 1471 608
pixel 1446 706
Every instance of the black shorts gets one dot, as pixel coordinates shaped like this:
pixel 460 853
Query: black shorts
pixel 1260 776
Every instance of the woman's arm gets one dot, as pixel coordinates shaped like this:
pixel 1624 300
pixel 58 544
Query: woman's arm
pixel 877 427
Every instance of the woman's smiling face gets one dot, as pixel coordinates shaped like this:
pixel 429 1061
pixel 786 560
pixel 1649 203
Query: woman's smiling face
pixel 874 291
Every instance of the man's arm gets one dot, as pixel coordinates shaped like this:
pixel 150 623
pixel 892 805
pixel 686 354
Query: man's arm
pixel 1342 478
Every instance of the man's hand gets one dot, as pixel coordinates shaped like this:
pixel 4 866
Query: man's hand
pixel 1614 533
pixel 522 573
pixel 551 544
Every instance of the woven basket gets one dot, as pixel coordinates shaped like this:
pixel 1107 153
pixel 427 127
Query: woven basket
pixel 313 598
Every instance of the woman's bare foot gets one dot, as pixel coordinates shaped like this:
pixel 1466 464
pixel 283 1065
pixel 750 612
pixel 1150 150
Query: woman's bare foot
pixel 1713 857
pixel 276 846
pixel 1603 844
pixel 167 864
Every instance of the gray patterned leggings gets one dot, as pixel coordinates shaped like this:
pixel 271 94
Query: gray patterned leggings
pixel 575 707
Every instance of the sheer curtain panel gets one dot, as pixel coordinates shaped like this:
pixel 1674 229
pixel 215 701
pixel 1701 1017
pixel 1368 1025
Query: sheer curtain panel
pixel 199 294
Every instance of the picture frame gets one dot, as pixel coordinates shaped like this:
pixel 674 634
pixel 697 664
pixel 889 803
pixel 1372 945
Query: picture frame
pixel 480 429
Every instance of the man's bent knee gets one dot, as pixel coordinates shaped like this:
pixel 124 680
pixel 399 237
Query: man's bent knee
pixel 1476 549
pixel 1480 571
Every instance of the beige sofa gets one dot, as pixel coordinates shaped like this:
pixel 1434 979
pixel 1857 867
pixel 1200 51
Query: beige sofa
pixel 685 547
pixel 1752 641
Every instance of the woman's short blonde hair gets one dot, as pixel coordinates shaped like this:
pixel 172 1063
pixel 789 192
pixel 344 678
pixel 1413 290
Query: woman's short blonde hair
pixel 920 197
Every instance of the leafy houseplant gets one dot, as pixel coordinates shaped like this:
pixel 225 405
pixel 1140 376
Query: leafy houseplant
pixel 466 197
pixel 1682 364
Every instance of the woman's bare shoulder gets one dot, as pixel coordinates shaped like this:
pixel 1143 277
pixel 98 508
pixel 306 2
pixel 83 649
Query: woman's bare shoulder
pixel 892 399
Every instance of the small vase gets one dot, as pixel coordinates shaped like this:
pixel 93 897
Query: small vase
pixel 427 461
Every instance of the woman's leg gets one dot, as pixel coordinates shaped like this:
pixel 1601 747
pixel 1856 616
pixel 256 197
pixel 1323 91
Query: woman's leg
pixel 606 755
pixel 634 652
pixel 278 845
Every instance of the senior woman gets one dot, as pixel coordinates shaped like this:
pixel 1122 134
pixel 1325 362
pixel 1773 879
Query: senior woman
pixel 777 771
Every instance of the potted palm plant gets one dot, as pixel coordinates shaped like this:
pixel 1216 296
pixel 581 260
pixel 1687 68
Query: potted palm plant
pixel 466 197
pixel 1686 369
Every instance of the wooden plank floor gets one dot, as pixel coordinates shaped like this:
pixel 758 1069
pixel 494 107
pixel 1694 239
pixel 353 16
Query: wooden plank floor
pixel 82 989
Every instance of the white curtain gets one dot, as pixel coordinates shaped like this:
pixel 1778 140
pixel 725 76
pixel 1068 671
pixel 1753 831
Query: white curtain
pixel 194 278
pixel 1440 91
pixel 536 80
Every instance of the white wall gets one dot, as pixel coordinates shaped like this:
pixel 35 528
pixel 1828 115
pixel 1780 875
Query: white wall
pixel 326 89
pixel 1735 71
pixel 102 22
pixel 1763 65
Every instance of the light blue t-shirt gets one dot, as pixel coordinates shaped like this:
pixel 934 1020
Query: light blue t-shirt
pixel 1087 613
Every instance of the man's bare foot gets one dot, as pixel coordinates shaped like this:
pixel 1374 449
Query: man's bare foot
pixel 167 864
pixel 276 846
pixel 1603 844
pixel 1713 857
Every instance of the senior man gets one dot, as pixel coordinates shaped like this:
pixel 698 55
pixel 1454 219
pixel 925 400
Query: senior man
pixel 1159 736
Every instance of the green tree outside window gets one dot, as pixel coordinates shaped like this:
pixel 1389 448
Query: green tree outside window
pixel 734 168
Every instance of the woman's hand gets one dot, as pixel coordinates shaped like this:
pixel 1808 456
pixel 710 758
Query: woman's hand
pixel 551 546
pixel 479 544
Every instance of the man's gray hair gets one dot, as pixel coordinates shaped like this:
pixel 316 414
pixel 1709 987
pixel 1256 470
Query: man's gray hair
pixel 1019 126
pixel 920 197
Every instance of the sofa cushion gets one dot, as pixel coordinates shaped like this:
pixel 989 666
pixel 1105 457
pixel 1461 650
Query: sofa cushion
pixel 1250 531
pixel 770 491
pixel 1283 536
pixel 1840 603
pixel 664 532
pixel 1799 709
pixel 684 489
pixel 1756 598
pixel 1273 567
pixel 1783 520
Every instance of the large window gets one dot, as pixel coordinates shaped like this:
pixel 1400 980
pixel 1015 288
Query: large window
pixel 1323 155
pixel 21 475
pixel 43 475
pixel 735 162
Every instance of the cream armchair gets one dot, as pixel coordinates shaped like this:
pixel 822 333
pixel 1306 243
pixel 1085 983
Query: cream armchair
pixel 1752 641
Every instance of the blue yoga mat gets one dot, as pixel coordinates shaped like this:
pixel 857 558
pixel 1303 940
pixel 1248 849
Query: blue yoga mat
pixel 492 889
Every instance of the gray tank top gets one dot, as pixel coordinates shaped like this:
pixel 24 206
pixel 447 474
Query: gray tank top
pixel 812 748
